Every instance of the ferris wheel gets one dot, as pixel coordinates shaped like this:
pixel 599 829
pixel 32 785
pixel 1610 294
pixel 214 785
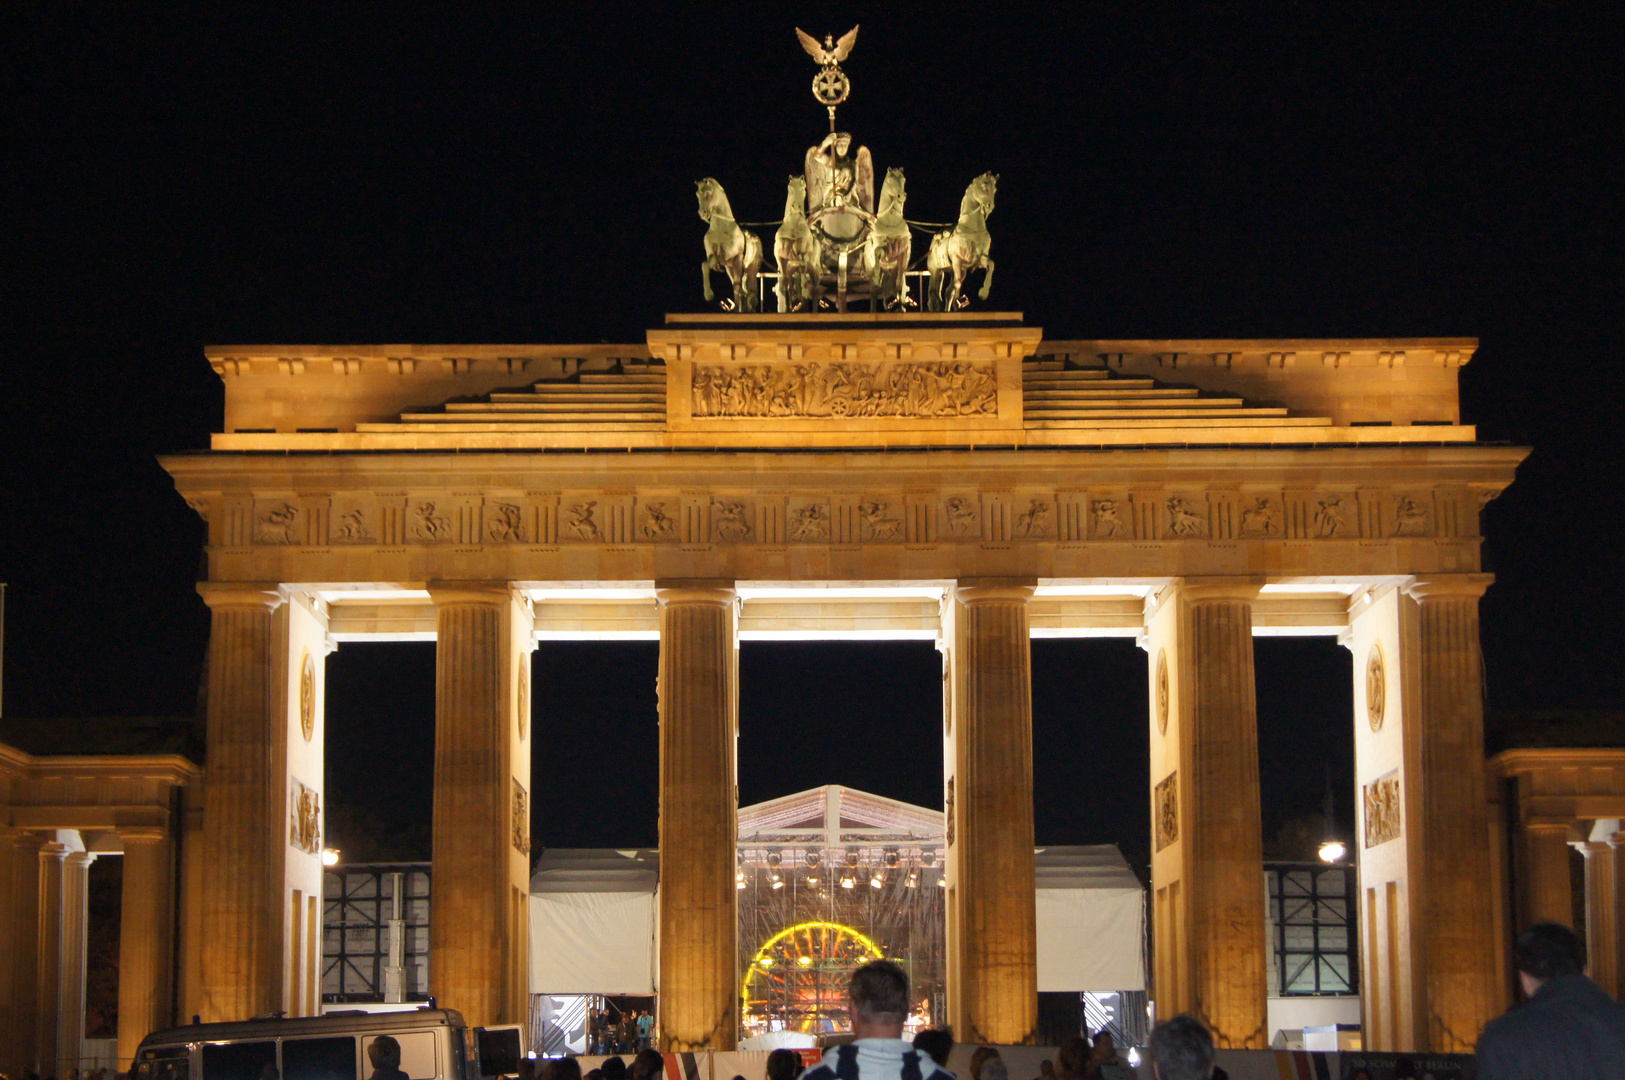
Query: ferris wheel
pixel 799 977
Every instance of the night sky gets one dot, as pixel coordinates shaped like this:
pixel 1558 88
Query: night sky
pixel 176 176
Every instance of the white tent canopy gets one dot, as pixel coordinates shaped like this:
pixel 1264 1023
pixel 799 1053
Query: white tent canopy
pixel 592 922
pixel 1091 921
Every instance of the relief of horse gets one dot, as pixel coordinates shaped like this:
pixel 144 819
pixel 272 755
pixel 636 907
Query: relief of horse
pixel 890 245
pixel 796 253
pixel 955 252
pixel 729 249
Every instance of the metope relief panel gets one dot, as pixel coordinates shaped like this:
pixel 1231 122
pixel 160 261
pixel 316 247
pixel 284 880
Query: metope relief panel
pixel 732 519
pixel 507 521
pixel 1034 517
pixel 353 521
pixel 1165 805
pixel 1382 810
pixel 521 818
pixel 818 390
pixel 880 519
pixel 961 517
pixel 1412 514
pixel 1187 517
pixel 278 521
pixel 1111 518
pixel 808 521
pixel 658 519
pixel 581 520
pixel 1258 517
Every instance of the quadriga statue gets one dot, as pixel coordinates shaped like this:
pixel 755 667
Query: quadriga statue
pixel 955 252
pixel 796 253
pixel 729 249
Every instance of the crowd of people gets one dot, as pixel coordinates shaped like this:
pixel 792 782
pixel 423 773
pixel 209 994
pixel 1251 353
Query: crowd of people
pixel 626 1034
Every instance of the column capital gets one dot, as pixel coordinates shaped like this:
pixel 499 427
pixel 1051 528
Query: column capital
pixel 1448 586
pixel 1198 589
pixel 718 591
pixel 79 858
pixel 242 594
pixel 994 590
pixel 489 593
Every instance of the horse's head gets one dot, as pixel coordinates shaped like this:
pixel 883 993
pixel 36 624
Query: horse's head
pixel 795 199
pixel 892 192
pixel 712 199
pixel 979 196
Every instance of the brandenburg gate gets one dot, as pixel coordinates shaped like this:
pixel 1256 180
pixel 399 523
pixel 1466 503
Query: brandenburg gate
pixel 952 475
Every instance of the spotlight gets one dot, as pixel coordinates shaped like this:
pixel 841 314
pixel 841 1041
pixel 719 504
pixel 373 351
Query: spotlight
pixel 739 880
pixel 942 883
pixel 774 859
pixel 851 858
pixel 330 856
pixel 848 881
pixel 928 858
pixel 876 880
pixel 913 879
pixel 1332 850
pixel 812 881
pixel 891 857
pixel 804 961
pixel 812 858
pixel 778 882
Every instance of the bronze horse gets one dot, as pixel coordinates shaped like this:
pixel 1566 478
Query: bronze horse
pixel 729 249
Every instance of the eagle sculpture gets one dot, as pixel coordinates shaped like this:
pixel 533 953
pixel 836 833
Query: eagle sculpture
pixel 830 52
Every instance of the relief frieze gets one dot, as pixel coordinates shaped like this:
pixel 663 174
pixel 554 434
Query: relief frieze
pixel 279 525
pixel 505 523
pixel 904 389
pixel 1186 519
pixel 879 522
pixel 1382 810
pixel 963 516
pixel 1106 522
pixel 305 814
pixel 1412 517
pixel 810 522
pixel 1262 518
pixel 730 520
pixel 1037 522
pixel 656 522
pixel 1166 809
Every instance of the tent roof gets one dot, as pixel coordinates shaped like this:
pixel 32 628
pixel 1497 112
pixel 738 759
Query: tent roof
pixel 1091 866
pixel 841 814
pixel 596 870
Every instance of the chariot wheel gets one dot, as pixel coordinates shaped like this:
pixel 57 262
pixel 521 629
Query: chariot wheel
pixel 800 977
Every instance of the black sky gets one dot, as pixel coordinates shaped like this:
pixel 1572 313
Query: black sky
pixel 173 176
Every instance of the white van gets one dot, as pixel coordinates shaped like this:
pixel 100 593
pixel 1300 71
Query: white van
pixel 435 1044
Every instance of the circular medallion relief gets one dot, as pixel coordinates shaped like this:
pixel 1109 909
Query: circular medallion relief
pixel 524 697
pixel 1162 691
pixel 307 696
pixel 1376 687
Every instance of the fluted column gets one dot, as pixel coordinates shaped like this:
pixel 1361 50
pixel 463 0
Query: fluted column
pixel 1548 888
pixel 699 803
pixel 1602 915
pixel 145 945
pixel 70 1017
pixel 48 955
pixel 1225 858
pixel 19 931
pixel 1451 863
pixel 244 824
pixel 478 935
pixel 992 917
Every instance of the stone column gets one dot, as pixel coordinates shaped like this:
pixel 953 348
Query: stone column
pixel 699 804
pixel 245 823
pixel 145 940
pixel 1548 887
pixel 1451 863
pixel 477 939
pixel 992 919
pixel 70 1017
pixel 19 932
pixel 1602 916
pixel 48 956
pixel 1224 850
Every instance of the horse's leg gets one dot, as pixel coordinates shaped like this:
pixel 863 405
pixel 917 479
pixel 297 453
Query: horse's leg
pixel 987 277
pixel 705 279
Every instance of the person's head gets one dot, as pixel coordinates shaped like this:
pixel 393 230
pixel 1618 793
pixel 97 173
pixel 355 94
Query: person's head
pixel 879 995
pixel 1046 1069
pixel 994 1070
pixel 1545 951
pixel 647 1065
pixel 384 1053
pixel 613 1069
pixel 1074 1055
pixel 783 1064
pixel 1182 1049
pixel 1104 1046
pixel 979 1059
pixel 938 1043
pixel 566 1068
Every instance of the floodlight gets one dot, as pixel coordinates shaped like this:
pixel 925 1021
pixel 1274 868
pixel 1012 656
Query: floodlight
pixel 848 881
pixel 778 882
pixel 851 857
pixel 1332 850
pixel 330 856
pixel 804 961
pixel 928 858
pixel 876 880
pixel 774 858
pixel 913 879
pixel 812 858
pixel 891 857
